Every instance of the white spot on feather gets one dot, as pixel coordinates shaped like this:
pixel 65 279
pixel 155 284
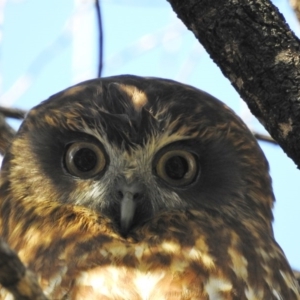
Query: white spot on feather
pixel 170 247
pixel 197 255
pixel 119 283
pixel 55 281
pixel 139 250
pixel 254 295
pixel 239 263
pixel 277 295
pixel 138 97
pixel 146 283
pixel 290 281
pixel 216 286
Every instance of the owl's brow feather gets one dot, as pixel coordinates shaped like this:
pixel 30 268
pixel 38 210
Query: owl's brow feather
pixel 115 172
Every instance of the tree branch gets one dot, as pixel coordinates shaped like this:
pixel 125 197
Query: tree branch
pixel 254 47
pixel 16 278
pixel 12 112
pixel 6 134
pixel 264 138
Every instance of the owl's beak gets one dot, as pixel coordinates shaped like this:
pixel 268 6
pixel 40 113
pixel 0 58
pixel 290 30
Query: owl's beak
pixel 127 211
pixel 130 197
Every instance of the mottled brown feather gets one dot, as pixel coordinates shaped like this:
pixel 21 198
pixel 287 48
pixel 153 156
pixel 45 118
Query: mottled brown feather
pixel 210 240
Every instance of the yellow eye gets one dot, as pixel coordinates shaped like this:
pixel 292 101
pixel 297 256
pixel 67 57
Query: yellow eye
pixel 84 159
pixel 177 167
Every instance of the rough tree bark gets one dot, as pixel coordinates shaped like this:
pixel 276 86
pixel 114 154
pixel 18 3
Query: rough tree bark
pixel 256 50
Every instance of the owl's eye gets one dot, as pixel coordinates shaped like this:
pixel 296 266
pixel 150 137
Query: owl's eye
pixel 84 159
pixel 177 167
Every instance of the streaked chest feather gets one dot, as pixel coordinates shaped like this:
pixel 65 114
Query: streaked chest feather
pixel 178 255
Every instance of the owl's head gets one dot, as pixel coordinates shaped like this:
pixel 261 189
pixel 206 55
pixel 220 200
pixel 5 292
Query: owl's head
pixel 131 147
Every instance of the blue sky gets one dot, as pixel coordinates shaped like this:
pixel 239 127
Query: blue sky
pixel 49 45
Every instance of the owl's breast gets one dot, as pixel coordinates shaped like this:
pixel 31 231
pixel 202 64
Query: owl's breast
pixel 122 283
pixel 146 272
pixel 78 254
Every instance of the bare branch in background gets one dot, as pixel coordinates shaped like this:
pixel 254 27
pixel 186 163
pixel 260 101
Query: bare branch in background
pixel 6 134
pixel 6 131
pixel 100 28
pixel 264 138
pixel 12 112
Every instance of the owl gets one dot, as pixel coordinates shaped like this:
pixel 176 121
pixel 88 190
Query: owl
pixel 141 189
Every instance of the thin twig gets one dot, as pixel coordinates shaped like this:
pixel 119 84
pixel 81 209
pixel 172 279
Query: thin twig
pixel 12 112
pixel 6 134
pixel 100 27
pixel 264 138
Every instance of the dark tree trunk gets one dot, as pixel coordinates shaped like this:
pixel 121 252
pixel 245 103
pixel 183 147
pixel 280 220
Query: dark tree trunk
pixel 256 50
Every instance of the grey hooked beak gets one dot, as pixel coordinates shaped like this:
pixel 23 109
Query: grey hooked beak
pixel 127 211
pixel 129 195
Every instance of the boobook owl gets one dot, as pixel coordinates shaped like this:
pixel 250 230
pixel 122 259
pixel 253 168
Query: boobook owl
pixel 141 188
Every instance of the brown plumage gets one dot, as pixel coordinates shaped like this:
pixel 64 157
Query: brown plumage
pixel 141 188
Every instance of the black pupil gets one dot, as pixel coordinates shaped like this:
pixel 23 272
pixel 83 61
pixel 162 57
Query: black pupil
pixel 176 167
pixel 85 159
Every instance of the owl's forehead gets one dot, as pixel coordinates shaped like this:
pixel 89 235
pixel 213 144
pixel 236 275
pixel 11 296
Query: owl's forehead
pixel 125 97
pixel 129 110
